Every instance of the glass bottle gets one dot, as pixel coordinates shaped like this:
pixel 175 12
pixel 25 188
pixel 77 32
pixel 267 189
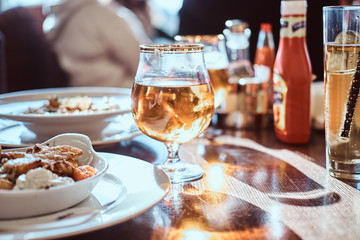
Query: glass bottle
pixel 265 57
pixel 265 48
pixel 237 34
pixel 292 76
pixel 246 106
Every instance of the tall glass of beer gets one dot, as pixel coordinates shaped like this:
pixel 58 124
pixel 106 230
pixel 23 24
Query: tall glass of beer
pixel 341 36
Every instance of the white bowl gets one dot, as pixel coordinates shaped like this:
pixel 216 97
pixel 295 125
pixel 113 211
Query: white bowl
pixel 13 105
pixel 28 203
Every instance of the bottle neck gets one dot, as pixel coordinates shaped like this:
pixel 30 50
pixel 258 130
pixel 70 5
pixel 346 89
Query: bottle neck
pixel 265 39
pixel 293 26
pixel 293 19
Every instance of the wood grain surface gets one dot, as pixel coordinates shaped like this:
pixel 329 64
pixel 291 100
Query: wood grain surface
pixel 254 187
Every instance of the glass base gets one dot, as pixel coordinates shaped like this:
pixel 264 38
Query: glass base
pixel 182 172
pixel 347 170
pixel 345 176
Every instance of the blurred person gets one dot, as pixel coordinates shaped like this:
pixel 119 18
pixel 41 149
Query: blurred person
pixel 97 43
pixel 28 59
pixel 142 12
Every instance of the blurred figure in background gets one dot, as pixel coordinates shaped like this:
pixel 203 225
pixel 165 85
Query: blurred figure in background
pixel 28 59
pixel 97 42
pixel 142 12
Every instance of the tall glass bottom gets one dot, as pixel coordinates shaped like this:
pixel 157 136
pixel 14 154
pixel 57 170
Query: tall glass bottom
pixel 348 169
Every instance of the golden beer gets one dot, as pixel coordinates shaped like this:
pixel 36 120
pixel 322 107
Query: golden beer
pixel 219 80
pixel 342 131
pixel 172 110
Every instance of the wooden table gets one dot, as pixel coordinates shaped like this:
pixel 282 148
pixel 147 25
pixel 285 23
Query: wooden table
pixel 260 192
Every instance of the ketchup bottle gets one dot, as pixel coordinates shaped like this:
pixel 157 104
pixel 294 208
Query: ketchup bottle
pixel 292 76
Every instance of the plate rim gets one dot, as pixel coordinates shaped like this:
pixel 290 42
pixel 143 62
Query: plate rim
pixel 66 90
pixel 62 89
pixel 95 143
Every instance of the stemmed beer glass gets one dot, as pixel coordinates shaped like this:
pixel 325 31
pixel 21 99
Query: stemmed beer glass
pixel 173 101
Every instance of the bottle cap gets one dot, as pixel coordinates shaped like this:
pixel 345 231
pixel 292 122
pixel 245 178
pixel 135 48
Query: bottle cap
pixel 293 7
pixel 266 27
pixel 236 25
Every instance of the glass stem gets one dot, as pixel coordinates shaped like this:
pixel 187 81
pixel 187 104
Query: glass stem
pixel 173 152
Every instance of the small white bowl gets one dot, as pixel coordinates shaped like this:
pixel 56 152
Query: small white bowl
pixel 14 105
pixel 29 203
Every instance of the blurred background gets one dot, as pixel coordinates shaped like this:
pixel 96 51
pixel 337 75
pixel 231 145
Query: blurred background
pixel 29 60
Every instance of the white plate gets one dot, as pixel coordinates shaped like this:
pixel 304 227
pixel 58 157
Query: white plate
pixel 13 105
pixel 14 134
pixel 28 203
pixel 146 186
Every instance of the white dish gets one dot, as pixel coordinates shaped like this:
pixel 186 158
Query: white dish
pixel 14 134
pixel 13 105
pixel 27 203
pixel 146 186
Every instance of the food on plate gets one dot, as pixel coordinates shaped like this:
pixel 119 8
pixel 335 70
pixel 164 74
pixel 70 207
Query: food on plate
pixel 40 178
pixel 83 172
pixel 42 167
pixel 77 104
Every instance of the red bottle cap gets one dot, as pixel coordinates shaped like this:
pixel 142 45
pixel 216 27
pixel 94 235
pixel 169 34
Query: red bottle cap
pixel 266 27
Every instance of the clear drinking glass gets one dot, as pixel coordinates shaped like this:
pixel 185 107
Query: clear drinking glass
pixel 173 101
pixel 342 83
pixel 216 62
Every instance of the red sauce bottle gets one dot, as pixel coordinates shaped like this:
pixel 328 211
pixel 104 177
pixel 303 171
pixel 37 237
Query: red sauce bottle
pixel 292 76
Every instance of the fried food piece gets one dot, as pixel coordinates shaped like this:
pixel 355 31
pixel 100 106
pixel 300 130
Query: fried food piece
pixel 55 153
pixel 53 103
pixel 6 184
pixel 63 167
pixel 60 160
pixel 18 166
pixel 80 103
pixel 64 105
pixel 12 155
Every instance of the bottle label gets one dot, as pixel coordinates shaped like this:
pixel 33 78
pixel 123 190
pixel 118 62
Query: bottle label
pixel 293 26
pixel 280 91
